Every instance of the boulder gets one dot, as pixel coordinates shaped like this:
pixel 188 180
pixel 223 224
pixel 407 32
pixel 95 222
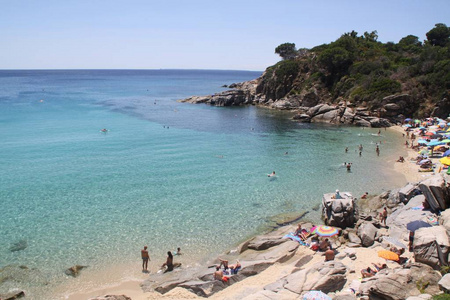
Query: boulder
pixel 435 191
pixel 264 242
pixel 390 285
pixel 202 288
pixel 326 276
pixel 444 283
pixel 421 273
pixel 361 122
pixel 420 297
pixel 379 122
pixel 340 213
pixel 426 243
pixel 280 253
pixel 366 233
pixel 74 271
pixel 444 220
pixel 330 116
pixel 407 192
pixel 353 238
pixel 303 118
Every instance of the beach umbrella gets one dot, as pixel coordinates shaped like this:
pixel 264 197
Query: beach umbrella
pixel 386 254
pixel 316 295
pixel 435 143
pixel 323 230
pixel 423 161
pixel 429 133
pixel 407 125
pixel 446 153
pixel 445 160
pixel 394 241
pixel 414 225
pixel 423 142
pixel 408 119
pixel 423 151
pixel 417 121
pixel 446 141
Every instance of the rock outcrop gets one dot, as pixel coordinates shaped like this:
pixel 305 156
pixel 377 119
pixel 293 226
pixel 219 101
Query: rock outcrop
pixel 74 271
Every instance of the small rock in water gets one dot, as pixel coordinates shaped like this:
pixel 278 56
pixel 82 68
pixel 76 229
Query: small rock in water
pixel 18 246
pixel 74 271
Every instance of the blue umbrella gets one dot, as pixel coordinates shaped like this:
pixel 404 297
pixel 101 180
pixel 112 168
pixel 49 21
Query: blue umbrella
pixel 408 119
pixel 422 142
pixel 435 143
pixel 407 125
pixel 414 225
pixel 446 153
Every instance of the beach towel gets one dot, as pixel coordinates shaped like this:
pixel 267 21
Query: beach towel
pixel 295 238
pixel 420 207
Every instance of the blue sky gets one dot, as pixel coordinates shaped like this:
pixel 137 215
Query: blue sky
pixel 194 34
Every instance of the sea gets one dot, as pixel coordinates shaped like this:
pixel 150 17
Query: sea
pixel 164 174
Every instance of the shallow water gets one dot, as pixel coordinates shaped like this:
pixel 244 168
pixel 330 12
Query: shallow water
pixel 166 174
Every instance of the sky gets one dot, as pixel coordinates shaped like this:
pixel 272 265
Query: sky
pixel 194 34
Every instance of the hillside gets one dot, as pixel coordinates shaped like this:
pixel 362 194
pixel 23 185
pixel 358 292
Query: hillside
pixel 356 78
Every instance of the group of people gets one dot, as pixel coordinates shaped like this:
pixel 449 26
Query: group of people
pixel 227 271
pixel 168 265
pixel 323 245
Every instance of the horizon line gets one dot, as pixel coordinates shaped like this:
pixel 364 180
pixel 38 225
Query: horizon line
pixel 116 69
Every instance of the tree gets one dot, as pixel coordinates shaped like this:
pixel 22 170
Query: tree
pixel 439 35
pixel 286 51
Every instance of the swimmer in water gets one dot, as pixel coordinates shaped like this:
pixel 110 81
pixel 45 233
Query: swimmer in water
pixel 272 174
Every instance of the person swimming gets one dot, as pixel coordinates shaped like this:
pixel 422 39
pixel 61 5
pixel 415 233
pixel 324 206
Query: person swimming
pixel 271 174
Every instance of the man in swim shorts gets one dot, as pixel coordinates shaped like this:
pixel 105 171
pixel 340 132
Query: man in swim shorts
pixel 145 259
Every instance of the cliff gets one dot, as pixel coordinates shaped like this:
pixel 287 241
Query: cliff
pixel 353 80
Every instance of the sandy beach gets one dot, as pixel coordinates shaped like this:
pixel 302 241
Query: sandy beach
pixel 365 256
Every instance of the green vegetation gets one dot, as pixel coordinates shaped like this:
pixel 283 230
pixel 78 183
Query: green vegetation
pixel 363 70
pixel 286 51
pixel 441 297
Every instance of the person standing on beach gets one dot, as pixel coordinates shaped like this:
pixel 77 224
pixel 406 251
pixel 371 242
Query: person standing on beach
pixel 384 216
pixel 378 150
pixel 145 259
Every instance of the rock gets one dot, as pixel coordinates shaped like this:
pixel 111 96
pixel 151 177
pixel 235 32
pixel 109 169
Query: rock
pixel 340 213
pixel 435 191
pixel 424 274
pixel 441 109
pixel 380 122
pixel 444 220
pixel 280 253
pixel 331 116
pixel 18 246
pixel 389 284
pixel 262 242
pixel 391 106
pixel 202 288
pixel 407 192
pixel 282 104
pixel 361 122
pixel 426 241
pixel 353 238
pixel 74 271
pixel 111 297
pixel 444 283
pixel 303 118
pixel 367 233
pixel 310 98
pixel 12 295
pixel 327 276
pixel 345 296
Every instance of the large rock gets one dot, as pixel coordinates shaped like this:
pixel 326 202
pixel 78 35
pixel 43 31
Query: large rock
pixel 339 212
pixel 444 220
pixel 366 233
pixel 280 253
pixel 265 242
pixel 426 243
pixel 379 122
pixel 407 192
pixel 435 191
pixel 444 283
pixel 327 277
pixel 394 285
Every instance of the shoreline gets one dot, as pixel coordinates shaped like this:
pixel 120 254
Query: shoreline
pixel 132 288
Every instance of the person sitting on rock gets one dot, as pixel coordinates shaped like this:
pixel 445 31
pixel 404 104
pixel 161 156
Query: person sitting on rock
pixel 223 263
pixel 329 254
pixel 218 274
pixel 324 244
pixel 365 195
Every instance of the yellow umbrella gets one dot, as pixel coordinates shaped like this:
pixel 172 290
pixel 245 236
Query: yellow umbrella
pixel 445 160
pixel 388 255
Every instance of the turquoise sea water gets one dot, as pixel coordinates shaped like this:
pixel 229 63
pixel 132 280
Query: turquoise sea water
pixel 166 174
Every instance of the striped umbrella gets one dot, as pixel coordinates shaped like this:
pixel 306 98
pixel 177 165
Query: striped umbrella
pixel 323 230
pixel 316 295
